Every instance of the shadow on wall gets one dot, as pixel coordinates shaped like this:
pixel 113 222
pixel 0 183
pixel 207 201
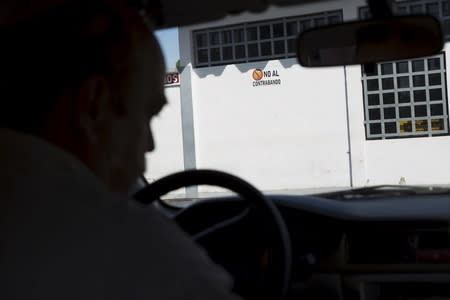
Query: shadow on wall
pixel 289 63
pixel 243 68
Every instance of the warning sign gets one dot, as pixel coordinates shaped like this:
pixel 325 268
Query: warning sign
pixel 265 77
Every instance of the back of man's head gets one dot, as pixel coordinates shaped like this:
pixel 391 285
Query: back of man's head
pixel 87 77
pixel 46 54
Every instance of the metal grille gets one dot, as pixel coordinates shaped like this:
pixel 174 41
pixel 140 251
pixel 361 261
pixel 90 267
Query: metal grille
pixel 247 42
pixel 440 9
pixel 406 98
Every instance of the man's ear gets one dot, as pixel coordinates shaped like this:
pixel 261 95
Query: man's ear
pixel 93 107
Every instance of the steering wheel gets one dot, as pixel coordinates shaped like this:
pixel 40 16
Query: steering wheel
pixel 255 202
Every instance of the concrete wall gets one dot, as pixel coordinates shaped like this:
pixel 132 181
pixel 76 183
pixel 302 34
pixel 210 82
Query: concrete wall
pixel 286 136
pixel 167 158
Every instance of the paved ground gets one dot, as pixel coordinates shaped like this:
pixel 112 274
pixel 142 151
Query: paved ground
pixel 180 201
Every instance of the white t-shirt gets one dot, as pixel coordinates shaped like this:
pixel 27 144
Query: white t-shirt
pixel 64 236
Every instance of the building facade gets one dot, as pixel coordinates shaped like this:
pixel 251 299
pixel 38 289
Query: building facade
pixel 245 106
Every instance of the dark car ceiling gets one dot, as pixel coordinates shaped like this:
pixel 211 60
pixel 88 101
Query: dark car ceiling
pixel 165 13
pixel 181 13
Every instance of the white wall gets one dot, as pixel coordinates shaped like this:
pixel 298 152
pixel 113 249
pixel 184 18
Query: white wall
pixel 286 136
pixel 167 158
pixel 357 129
pixel 418 161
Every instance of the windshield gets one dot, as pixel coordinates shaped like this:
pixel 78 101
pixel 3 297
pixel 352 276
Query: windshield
pixel 240 102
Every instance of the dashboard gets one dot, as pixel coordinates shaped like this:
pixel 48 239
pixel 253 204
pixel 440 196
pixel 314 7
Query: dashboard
pixel 364 248
pixel 371 247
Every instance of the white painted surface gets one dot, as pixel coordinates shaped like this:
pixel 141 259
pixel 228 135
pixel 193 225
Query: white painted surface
pixel 167 158
pixel 357 129
pixel 417 161
pixel 286 136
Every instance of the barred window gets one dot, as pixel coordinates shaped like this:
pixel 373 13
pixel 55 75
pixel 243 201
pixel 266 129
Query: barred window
pixel 437 8
pixel 247 42
pixel 406 98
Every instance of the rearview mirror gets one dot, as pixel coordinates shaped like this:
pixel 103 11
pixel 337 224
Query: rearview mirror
pixel 370 41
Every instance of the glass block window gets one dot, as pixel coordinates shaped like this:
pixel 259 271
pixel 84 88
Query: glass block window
pixel 406 98
pixel 247 42
pixel 437 8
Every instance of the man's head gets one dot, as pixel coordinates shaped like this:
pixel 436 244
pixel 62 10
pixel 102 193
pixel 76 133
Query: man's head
pixel 87 79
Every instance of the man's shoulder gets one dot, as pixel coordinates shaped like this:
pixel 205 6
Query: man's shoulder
pixel 33 168
pixel 63 230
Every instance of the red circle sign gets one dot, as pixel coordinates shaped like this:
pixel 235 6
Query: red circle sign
pixel 258 74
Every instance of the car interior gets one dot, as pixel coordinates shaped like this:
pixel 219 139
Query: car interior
pixel 379 242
